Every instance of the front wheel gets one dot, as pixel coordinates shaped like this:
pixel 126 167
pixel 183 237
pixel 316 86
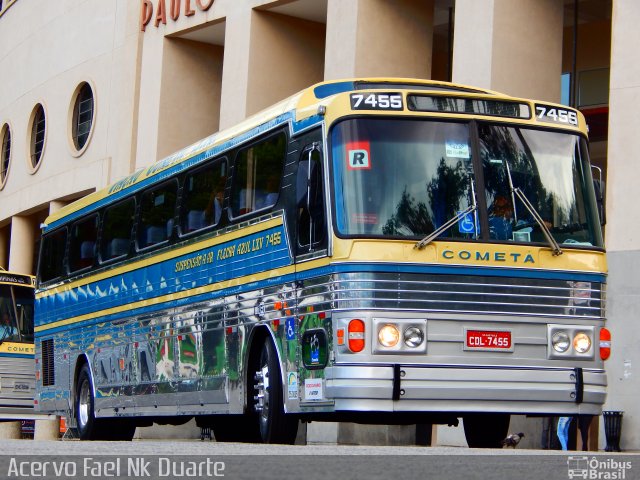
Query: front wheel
pixel 275 425
pixel 486 430
pixel 91 428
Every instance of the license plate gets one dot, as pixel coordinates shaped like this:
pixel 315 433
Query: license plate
pixel 488 340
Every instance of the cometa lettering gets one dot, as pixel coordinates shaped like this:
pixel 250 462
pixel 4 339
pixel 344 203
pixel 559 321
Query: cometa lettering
pixel 478 256
pixel 171 8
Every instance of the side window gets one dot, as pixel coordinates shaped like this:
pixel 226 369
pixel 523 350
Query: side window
pixel 116 229
pixel 82 250
pixel 157 212
pixel 310 201
pixel 257 175
pixel 52 258
pixel 202 197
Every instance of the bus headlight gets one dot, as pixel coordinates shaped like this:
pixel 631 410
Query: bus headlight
pixel 388 335
pixel 570 341
pixel 581 342
pixel 560 342
pixel 413 337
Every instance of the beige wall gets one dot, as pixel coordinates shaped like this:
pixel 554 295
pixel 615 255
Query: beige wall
pixel 49 49
pixel 512 46
pixel 379 38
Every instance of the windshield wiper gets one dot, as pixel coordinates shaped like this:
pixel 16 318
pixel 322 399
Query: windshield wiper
pixel 536 216
pixel 449 223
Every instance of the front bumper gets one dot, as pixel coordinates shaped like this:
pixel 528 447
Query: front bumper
pixel 516 390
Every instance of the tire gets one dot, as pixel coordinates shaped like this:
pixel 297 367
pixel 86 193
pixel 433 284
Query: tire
pixel 486 430
pixel 274 425
pixel 89 427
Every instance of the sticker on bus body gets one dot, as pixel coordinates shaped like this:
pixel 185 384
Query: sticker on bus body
pixel 358 155
pixel 313 389
pixel 292 385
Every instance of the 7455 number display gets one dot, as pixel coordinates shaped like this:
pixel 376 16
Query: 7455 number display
pixel 376 101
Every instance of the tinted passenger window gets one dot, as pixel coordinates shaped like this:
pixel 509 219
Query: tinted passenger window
pixel 157 211
pixel 257 175
pixel 116 228
pixel 82 250
pixel 52 258
pixel 202 197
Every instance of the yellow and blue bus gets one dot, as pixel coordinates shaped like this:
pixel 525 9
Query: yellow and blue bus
pixel 17 381
pixel 373 250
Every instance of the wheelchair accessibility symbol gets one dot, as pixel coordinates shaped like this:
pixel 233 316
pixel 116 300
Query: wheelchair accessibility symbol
pixel 467 224
pixel 290 327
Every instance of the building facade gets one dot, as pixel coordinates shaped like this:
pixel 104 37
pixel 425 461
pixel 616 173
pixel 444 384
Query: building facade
pixel 92 90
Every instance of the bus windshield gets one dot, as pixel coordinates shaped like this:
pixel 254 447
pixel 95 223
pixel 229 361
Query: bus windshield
pixel 406 178
pixel 16 313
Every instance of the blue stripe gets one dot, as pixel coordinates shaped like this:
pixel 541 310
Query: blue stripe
pixel 17 355
pixel 484 271
pixel 241 257
pixel 328 89
pixel 327 270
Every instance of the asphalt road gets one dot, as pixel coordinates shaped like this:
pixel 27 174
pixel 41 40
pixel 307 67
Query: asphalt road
pixel 196 459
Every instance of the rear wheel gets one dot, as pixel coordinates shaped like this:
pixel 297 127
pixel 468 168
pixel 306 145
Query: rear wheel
pixel 486 430
pixel 275 426
pixel 91 428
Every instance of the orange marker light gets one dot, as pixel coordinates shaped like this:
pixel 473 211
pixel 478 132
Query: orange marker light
pixel 605 343
pixel 340 335
pixel 356 335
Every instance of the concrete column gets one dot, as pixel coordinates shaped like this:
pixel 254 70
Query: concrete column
pixel 286 55
pixel 235 71
pixel 623 229
pixel 22 245
pixel 379 38
pixel 47 429
pixel 190 93
pixel 56 205
pixel 512 46
pixel 4 251
pixel 10 430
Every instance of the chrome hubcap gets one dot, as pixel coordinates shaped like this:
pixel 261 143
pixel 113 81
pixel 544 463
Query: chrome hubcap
pixel 84 403
pixel 261 386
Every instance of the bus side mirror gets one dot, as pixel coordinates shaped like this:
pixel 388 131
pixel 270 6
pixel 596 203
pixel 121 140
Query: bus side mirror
pixel 302 184
pixel 599 189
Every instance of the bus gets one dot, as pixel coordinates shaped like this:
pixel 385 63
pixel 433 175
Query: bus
pixel 17 382
pixel 376 250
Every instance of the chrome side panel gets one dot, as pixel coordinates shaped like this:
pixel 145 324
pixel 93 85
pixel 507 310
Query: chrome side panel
pixel 193 358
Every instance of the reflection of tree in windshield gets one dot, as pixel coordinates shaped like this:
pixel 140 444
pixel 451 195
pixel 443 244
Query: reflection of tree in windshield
pixel 411 218
pixel 499 143
pixel 444 191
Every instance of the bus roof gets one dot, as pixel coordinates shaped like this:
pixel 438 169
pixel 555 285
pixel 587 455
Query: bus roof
pixel 301 109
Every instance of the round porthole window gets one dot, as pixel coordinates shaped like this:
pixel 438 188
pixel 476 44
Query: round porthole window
pixel 82 116
pixel 38 135
pixel 5 153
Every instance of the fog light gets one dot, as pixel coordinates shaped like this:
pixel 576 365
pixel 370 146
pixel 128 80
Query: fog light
pixel 560 342
pixel 581 342
pixel 413 337
pixel 389 336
